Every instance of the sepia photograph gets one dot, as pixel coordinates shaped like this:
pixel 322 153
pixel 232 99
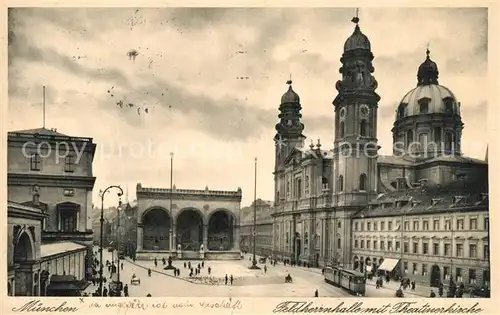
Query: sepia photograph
pixel 248 152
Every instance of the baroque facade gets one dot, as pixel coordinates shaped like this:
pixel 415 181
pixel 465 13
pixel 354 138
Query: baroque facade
pixel 52 172
pixel 323 198
pixel 188 223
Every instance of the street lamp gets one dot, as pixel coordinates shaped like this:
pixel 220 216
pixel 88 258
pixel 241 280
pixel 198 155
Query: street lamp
pixel 102 193
pixel 254 260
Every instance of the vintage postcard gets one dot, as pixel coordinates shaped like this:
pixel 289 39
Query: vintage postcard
pixel 249 159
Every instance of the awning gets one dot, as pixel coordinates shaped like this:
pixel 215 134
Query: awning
pixel 50 249
pixel 388 264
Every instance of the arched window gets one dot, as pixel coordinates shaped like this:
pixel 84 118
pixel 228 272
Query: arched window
pixel 401 111
pixel 341 129
pixel 424 108
pixel 341 183
pixel 448 141
pixel 409 137
pixel 362 182
pixel 422 138
pixel 362 128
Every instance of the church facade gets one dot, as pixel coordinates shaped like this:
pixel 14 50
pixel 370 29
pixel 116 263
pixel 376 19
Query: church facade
pixel 424 209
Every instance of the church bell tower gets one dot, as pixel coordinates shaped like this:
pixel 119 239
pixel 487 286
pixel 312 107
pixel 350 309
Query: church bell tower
pixel 355 139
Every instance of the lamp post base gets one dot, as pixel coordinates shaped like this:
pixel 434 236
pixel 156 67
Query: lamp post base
pixel 254 265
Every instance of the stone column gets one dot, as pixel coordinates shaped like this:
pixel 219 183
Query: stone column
pixel 205 237
pixel 140 237
pixel 78 223
pixel 236 238
pixel 173 241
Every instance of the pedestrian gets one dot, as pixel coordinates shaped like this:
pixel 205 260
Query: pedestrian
pixel 184 264
pixel 105 292
pixel 440 290
pixel 316 293
pixel 265 269
pixel 189 265
pixel 209 270
pixel 149 272
pixel 121 266
pixel 231 279
pixel 433 295
pixel 202 264
pixel 164 261
pixel 156 262
pixel 226 278
pixel 125 289
pixel 413 285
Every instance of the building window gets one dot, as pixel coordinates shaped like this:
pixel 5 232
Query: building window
pixel 362 244
pixel 409 138
pixel 486 278
pixel 425 225
pixel 398 246
pixel 424 108
pixel 382 226
pixel 389 225
pixel 425 248
pixel 472 276
pixel 368 243
pixel 460 250
pixel 69 163
pixel 356 226
pixel 473 224
pixel 405 247
pixel 362 128
pixel 368 226
pixel 341 183
pixel 362 182
pixel 435 224
pixel 437 134
pixel 405 266
pixel 389 245
pixel 382 245
pixel 486 251
pixel 375 226
pixel 35 162
pixel 287 237
pixel 446 273
pixel 472 250
pixel 447 224
pixel 415 268
pixel 448 141
pixel 448 105
pixel 341 129
pixel 415 248
pixel 339 243
pixel 415 225
pixel 486 224
pixel 407 225
pixel 460 224
pixel 355 243
pixel 424 269
pixel 68 221
pixel 447 249
pixel 422 138
pixel 458 274
pixel 435 249
pixel 339 224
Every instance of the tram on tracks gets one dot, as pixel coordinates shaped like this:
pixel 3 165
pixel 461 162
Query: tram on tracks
pixel 350 280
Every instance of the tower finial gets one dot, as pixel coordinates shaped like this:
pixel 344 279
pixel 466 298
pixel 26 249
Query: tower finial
pixel 428 52
pixel 289 82
pixel 355 19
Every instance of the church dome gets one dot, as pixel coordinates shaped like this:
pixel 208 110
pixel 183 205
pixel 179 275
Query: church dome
pixel 428 97
pixel 290 96
pixel 357 40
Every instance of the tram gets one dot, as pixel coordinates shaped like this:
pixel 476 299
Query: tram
pixel 350 280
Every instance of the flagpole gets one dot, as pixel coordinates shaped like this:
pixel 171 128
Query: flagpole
pixel 254 232
pixel 43 106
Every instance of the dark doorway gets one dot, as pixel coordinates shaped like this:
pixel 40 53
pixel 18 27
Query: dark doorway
pixel 435 276
pixel 220 231
pixel 190 230
pixel 156 230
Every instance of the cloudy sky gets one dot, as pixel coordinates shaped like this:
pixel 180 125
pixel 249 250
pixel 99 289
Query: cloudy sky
pixel 211 81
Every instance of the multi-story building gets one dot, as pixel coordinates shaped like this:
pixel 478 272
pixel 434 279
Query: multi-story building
pixel 53 172
pixel 124 228
pixel 263 228
pixel 325 201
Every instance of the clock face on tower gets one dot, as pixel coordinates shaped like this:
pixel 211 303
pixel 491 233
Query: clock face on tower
pixel 364 110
